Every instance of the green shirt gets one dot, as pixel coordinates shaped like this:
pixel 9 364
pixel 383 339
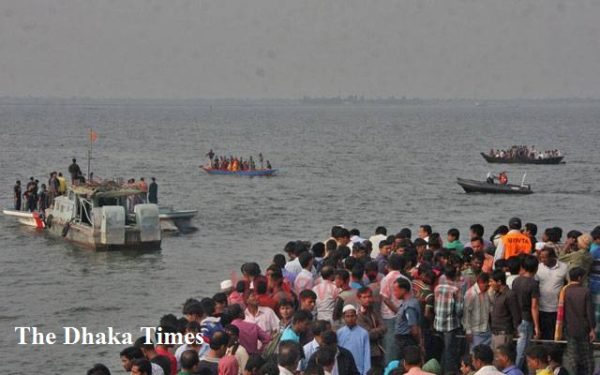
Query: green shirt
pixel 456 245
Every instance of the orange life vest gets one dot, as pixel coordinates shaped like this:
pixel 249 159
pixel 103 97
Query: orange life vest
pixel 516 243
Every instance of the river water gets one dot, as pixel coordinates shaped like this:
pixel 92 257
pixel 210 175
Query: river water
pixel 362 166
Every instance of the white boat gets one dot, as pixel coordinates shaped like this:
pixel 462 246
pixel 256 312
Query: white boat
pixel 32 219
pixel 176 220
pixel 97 216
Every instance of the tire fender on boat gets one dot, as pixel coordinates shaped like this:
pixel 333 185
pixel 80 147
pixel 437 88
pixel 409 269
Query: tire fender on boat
pixel 66 229
pixel 49 221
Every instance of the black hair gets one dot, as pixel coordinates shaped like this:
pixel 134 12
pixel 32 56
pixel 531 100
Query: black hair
pixel 454 233
pixel 530 264
pixel 595 233
pixel 307 293
pixel 325 356
pixel 327 272
pixel 349 263
pixel 381 230
pixel 251 269
pixel 192 306
pixel 285 302
pixel 236 311
pixel 358 271
pixel 302 316
pixel 574 234
pixel 406 233
pixel 168 319
pixel 98 369
pixel 403 283
pixel 329 338
pixel 193 326
pixel 531 228
pixel 419 242
pixel 484 276
pixel 478 256
pixel 240 286
pixel 208 305
pixel 576 273
pixel 279 260
pixel 555 353
pixel 143 364
pixel 477 229
pixel 344 252
pixel 537 352
pixel 261 285
pixel 502 229
pixel 483 353
pixel 131 353
pixel 550 250
pixel 412 355
pixel 289 247
pixel 499 276
pixel 500 264
pixel 396 262
pixel 255 361
pixel 354 232
pixel 288 354
pixel 330 245
pixel 218 340
pixel 320 326
pixel 426 228
pixel 343 274
pixel 508 350
pixel 450 272
pixel 318 249
pixel 514 265
pixel 363 290
pixel 435 241
pixel 189 359
pixel 220 298
pixel 304 258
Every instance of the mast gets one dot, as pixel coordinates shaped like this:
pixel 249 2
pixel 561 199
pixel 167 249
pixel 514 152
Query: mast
pixel 90 154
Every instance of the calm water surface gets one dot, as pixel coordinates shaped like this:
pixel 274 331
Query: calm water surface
pixel 360 166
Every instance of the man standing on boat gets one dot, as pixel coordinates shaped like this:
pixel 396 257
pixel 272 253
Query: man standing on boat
pixel 17 195
pixel 153 191
pixel 75 171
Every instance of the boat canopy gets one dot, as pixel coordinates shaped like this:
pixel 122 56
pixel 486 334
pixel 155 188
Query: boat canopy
pixel 104 190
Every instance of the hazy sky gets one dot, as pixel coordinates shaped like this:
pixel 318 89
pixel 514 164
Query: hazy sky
pixel 280 48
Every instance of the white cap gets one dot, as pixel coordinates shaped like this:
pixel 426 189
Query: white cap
pixel 226 284
pixel 348 307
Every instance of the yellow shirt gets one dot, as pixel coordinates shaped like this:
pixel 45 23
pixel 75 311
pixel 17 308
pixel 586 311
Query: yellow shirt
pixel 545 371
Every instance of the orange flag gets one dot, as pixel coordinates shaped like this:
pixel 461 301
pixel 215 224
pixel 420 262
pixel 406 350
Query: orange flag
pixel 93 136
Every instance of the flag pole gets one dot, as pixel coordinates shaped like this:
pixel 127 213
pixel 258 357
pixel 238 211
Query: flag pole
pixel 89 156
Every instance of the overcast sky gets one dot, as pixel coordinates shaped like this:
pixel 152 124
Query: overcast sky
pixel 287 49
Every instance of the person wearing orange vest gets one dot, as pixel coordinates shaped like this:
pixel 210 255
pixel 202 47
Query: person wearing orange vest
pixel 514 242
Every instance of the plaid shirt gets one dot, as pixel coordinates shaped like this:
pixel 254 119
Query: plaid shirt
pixel 448 307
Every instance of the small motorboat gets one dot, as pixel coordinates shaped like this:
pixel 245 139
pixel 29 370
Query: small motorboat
pixel 32 219
pixel 176 220
pixel 247 173
pixel 522 159
pixel 473 186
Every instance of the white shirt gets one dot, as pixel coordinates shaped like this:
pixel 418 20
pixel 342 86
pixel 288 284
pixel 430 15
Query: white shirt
pixel 284 371
pixel 265 318
pixel 156 369
pixel 327 294
pixel 488 370
pixel 551 282
pixel 293 266
pixel 203 349
pixel 375 240
pixel 304 280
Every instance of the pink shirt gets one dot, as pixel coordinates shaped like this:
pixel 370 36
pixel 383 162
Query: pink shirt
pixel 304 280
pixel 250 334
pixel 265 318
pixel 387 291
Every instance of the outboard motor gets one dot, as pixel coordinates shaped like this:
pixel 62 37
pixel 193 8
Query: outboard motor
pixel 112 227
pixel 148 222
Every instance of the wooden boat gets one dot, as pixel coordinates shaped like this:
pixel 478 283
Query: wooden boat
pixel 176 220
pixel 248 173
pixel 32 219
pixel 473 186
pixel 102 217
pixel 522 159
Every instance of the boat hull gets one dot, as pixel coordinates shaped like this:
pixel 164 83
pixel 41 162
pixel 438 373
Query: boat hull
pixel 522 160
pixel 249 173
pixel 473 186
pixel 31 219
pixel 176 220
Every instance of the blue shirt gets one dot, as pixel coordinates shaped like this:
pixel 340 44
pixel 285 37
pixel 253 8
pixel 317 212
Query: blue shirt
pixel 356 340
pixel 408 315
pixel 289 334
pixel 512 370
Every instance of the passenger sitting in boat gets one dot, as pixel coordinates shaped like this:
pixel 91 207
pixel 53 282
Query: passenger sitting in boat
pixel 503 178
pixel 269 165
pixel 490 178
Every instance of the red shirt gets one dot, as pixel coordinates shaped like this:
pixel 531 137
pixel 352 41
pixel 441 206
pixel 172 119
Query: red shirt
pixel 266 300
pixel 161 351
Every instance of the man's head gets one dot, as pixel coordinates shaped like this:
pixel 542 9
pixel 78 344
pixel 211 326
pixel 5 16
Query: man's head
pixel 189 361
pixel 325 358
pixel 218 343
pixel 306 260
pixel 301 321
pixel 342 278
pixel 365 297
pixel 476 230
pixel 453 235
pixel 128 355
pixel 192 310
pixel 576 274
pixel 530 264
pixel 483 282
pixel 286 309
pixel 349 312
pixel 401 288
pixel 141 367
pixel 420 245
pixel 530 229
pixel 412 357
pixel 498 280
pixel 505 356
pixel 477 262
pixel 288 354
pixel 381 230
pixel 424 231
pixel 482 356
pixel 537 357
pixel 385 247
pixel 308 299
pixel 318 328
pixel 548 256
pixel 514 223
pixel 477 245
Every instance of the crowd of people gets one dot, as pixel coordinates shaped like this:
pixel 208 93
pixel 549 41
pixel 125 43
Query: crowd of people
pixel 236 163
pixel 38 197
pixel 524 152
pixel 392 304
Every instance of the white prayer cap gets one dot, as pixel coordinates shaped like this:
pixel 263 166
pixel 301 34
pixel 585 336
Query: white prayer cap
pixel 348 308
pixel 226 284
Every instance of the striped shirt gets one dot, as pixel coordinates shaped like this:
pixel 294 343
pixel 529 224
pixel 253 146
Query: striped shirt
pixel 448 307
